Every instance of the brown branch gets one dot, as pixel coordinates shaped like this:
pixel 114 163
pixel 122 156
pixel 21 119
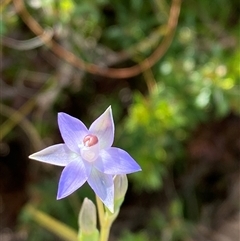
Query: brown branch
pixel 29 43
pixel 116 73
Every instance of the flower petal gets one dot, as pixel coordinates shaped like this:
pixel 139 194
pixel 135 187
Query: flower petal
pixel 72 130
pixel 116 161
pixel 59 155
pixel 103 186
pixel 73 177
pixel 103 128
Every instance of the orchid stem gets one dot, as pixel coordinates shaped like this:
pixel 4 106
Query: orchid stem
pixel 105 229
pixel 100 209
pixel 105 220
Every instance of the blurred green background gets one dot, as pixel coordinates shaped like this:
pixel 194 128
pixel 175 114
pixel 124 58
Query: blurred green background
pixel 178 117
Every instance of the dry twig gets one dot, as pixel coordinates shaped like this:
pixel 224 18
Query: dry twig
pixel 95 69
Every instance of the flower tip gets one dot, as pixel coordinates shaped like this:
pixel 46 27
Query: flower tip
pixel 109 108
pixel 110 208
pixel 61 114
pixel 136 168
pixel 32 156
pixel 61 195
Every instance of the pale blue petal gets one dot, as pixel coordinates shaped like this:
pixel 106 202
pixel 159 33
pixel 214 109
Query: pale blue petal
pixel 103 186
pixel 59 155
pixel 116 161
pixel 72 130
pixel 74 175
pixel 103 128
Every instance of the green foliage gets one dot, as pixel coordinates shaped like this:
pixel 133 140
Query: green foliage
pixel 150 135
pixel 127 236
pixel 188 92
pixel 170 226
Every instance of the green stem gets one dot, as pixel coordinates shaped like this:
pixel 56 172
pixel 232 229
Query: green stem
pixel 100 209
pixel 105 219
pixel 107 224
pixel 61 230
pixel 105 228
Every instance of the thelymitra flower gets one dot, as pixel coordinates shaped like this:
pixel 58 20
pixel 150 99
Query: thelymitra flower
pixel 88 155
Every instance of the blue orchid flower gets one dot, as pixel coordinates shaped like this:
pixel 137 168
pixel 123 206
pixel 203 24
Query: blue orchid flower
pixel 88 155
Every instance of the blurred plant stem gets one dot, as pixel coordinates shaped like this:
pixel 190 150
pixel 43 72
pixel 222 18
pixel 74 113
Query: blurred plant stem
pixel 51 224
pixel 15 117
pixel 4 3
pixel 18 117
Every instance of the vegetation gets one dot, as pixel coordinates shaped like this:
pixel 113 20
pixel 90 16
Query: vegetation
pixel 165 76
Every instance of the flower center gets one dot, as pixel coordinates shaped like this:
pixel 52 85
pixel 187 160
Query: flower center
pixel 90 148
pixel 90 140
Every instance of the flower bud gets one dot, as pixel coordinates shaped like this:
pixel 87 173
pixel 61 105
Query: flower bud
pixel 87 221
pixel 120 189
pixel 87 217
